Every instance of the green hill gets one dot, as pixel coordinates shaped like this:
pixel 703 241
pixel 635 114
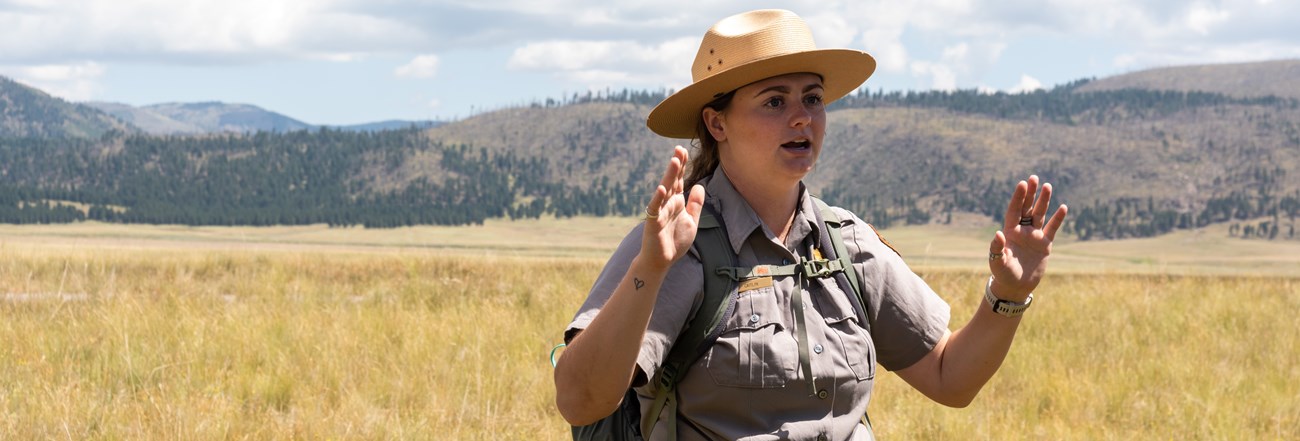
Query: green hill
pixel 1130 162
pixel 1280 78
pixel 28 112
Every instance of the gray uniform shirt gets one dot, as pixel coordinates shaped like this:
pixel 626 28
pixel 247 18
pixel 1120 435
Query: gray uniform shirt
pixel 749 385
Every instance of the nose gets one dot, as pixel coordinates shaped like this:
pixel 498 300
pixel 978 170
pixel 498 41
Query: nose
pixel 802 116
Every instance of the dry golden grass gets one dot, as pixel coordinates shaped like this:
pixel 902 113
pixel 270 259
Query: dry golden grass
pixel 151 335
pixel 1118 356
pixel 179 344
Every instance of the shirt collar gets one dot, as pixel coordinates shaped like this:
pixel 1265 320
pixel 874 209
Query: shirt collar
pixel 741 220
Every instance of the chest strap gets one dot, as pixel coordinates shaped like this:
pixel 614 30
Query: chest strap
pixel 803 270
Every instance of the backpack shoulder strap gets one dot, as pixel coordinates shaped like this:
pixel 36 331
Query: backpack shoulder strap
pixel 833 223
pixel 702 329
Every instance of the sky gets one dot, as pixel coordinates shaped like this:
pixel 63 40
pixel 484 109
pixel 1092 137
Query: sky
pixel 340 62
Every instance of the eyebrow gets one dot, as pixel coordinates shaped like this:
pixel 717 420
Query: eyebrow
pixel 783 89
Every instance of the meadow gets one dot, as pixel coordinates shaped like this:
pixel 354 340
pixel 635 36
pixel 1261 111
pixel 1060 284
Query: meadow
pixel 155 332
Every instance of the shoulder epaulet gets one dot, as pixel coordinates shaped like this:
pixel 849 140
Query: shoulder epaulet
pixel 882 240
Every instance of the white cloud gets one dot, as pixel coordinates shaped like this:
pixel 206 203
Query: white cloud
pixel 423 66
pixel 634 43
pixel 1026 84
pixel 195 31
pixel 610 62
pixel 831 30
pixel 889 52
pixel 72 82
pixel 941 77
pixel 1201 18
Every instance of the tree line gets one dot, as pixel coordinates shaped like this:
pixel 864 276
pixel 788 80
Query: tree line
pixel 1060 105
pixel 292 178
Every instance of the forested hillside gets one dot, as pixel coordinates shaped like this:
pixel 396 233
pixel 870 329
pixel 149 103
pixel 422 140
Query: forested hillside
pixel 25 111
pixel 1277 78
pixel 204 117
pixel 1130 162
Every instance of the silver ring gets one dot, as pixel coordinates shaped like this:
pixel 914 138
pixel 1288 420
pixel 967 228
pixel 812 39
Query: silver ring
pixel 1027 221
pixel 649 215
pixel 994 256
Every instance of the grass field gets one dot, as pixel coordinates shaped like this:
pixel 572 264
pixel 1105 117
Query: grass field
pixel 134 332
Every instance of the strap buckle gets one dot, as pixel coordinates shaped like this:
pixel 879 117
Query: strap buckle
pixel 821 268
pixel 667 375
pixel 731 272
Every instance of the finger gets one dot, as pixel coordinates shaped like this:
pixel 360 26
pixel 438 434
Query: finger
pixel 997 249
pixel 1012 215
pixel 695 204
pixel 682 156
pixel 656 201
pixel 1055 223
pixel 671 172
pixel 1042 204
pixel 1027 204
pixel 999 243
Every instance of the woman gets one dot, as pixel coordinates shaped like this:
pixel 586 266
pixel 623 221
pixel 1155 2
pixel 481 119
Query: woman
pixel 777 371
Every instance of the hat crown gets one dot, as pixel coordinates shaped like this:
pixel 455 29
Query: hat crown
pixel 749 37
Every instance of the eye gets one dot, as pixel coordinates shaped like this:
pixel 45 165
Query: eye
pixel 813 100
pixel 774 102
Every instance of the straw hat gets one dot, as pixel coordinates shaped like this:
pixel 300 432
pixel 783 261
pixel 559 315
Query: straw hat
pixel 753 46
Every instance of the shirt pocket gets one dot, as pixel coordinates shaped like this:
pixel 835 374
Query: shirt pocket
pixel 858 349
pixel 754 348
pixel 854 339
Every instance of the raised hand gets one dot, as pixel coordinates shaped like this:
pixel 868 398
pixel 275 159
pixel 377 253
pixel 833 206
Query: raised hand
pixel 672 216
pixel 1019 252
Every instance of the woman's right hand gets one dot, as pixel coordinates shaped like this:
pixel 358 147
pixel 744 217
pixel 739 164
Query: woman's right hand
pixel 672 216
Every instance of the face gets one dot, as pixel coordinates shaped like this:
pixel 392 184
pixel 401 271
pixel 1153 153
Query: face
pixel 772 131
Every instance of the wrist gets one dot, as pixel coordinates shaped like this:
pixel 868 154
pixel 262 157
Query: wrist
pixel 642 274
pixel 1004 292
pixel 1005 307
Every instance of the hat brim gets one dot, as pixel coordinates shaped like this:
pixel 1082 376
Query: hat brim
pixel 842 71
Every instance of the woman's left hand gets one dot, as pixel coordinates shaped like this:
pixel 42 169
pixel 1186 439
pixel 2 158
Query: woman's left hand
pixel 1018 254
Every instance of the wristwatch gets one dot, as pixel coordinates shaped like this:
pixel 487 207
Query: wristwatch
pixel 1004 307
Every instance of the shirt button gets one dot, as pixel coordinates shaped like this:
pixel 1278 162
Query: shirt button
pixel 817 348
pixel 821 437
pixel 822 394
pixel 785 261
pixel 753 318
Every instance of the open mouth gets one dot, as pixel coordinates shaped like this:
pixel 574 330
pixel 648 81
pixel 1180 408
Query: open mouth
pixel 798 145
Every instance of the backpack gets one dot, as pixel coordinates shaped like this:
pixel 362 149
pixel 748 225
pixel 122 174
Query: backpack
pixel 721 278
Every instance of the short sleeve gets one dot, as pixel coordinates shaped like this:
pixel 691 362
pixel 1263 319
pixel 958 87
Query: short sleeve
pixel 907 317
pixel 678 295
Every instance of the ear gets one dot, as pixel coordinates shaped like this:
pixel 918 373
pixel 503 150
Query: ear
pixel 714 121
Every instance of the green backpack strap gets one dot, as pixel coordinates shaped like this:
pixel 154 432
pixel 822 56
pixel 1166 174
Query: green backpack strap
pixel 833 224
pixel 714 249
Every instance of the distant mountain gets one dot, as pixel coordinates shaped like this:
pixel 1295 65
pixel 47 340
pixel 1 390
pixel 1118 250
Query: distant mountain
pixel 392 124
pixel 217 117
pixel 203 117
pixel 28 112
pixel 151 122
pixel 1279 78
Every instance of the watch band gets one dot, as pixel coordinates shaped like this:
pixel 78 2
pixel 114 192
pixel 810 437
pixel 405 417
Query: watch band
pixel 1004 307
